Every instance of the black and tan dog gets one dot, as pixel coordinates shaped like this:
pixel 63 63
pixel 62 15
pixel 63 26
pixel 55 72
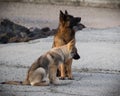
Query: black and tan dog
pixel 43 70
pixel 65 34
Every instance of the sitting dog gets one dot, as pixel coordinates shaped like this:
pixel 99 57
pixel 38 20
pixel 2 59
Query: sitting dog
pixel 43 70
pixel 65 33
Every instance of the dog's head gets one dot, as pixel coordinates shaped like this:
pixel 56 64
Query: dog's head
pixel 68 20
pixel 73 50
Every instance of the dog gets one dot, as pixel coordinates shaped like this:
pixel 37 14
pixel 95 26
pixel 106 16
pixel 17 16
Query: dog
pixel 43 71
pixel 65 34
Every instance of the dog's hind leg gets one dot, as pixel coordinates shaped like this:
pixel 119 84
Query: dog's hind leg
pixel 43 83
pixel 36 78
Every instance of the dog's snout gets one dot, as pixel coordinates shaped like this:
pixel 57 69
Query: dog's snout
pixel 78 19
pixel 76 56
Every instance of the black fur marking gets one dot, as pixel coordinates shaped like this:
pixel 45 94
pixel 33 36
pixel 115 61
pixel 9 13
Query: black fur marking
pixel 56 57
pixel 44 62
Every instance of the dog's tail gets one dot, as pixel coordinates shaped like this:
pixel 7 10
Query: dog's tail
pixel 13 82
pixel 16 82
pixel 44 83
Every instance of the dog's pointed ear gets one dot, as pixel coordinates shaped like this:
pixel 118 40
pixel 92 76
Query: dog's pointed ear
pixel 66 13
pixel 62 16
pixel 61 13
pixel 71 44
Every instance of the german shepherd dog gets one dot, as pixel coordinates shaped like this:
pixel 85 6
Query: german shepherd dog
pixel 65 34
pixel 43 70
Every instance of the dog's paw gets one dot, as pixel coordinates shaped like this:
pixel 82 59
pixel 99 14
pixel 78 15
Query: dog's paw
pixel 62 78
pixel 56 82
pixel 71 78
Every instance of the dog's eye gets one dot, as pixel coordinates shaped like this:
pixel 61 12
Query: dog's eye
pixel 68 19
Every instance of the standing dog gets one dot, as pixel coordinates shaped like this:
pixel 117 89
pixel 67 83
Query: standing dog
pixel 43 70
pixel 65 34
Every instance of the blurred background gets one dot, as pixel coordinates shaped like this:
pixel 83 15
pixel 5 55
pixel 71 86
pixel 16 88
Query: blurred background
pixel 41 13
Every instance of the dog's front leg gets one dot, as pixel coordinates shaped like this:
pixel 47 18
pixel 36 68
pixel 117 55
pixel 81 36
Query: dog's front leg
pixel 52 74
pixel 68 69
pixel 62 71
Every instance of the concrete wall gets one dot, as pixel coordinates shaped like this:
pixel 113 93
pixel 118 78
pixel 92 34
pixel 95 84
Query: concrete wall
pixel 93 3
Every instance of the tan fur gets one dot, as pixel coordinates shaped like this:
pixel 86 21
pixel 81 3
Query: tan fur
pixel 43 71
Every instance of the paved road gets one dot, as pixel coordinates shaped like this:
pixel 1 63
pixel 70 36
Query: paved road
pixel 85 84
pixel 97 73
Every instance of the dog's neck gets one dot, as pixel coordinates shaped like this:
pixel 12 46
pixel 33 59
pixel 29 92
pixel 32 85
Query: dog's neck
pixel 64 52
pixel 62 26
pixel 63 29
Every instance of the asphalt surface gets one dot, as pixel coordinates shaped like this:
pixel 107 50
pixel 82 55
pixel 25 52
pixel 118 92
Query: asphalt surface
pixel 85 84
pixel 97 73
